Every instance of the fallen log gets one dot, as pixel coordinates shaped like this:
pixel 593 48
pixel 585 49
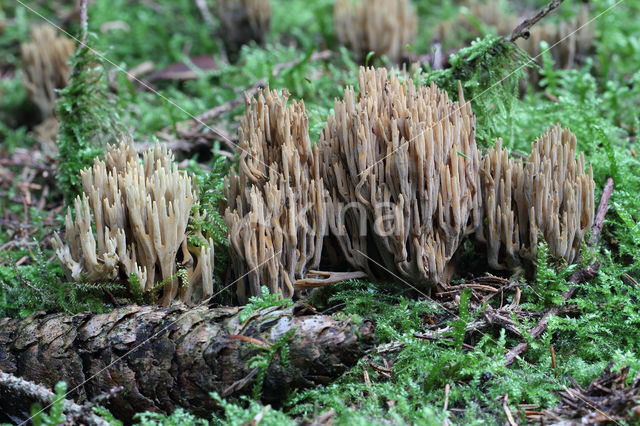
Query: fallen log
pixel 165 358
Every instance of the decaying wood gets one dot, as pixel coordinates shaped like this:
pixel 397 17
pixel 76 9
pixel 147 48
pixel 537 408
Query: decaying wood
pixel 164 358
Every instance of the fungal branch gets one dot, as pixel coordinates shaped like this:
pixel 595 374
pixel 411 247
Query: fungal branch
pixel 276 212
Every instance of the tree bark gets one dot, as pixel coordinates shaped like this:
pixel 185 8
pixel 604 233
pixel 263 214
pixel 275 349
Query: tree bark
pixel 165 358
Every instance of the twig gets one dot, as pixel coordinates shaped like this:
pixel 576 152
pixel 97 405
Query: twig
pixel 437 56
pixel 327 278
pixel 258 417
pixel 325 418
pixel 507 411
pixel 206 15
pixel 577 277
pixel 75 418
pixel 447 389
pixel 383 371
pixel 84 23
pixel 240 383
pixel 247 339
pixel 21 388
pixel 602 210
pixel 522 30
pixel 367 381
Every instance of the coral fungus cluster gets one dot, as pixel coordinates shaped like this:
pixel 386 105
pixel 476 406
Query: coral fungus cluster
pixel 550 194
pixel 132 219
pixel 406 157
pixel 395 183
pixel 243 21
pixel 385 27
pixel 45 68
pixel 276 212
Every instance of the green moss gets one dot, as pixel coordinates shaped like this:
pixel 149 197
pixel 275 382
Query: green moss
pixel 88 119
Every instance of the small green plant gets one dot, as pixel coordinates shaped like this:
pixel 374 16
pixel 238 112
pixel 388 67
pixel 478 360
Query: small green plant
pixel 40 286
pixel 460 325
pixel 245 411
pixel 265 300
pixel 263 360
pixel 489 71
pixel 550 280
pixel 56 411
pixel 180 417
pixel 206 218
pixel 88 119
pixel 550 76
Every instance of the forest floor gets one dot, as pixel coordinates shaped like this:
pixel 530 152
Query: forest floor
pixel 489 347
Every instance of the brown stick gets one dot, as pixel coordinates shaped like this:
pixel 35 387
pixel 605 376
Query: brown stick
pixel 229 105
pixel 328 278
pixel 579 276
pixel 15 390
pixel 206 14
pixel 602 210
pixel 522 30
pixel 84 23
pixel 507 411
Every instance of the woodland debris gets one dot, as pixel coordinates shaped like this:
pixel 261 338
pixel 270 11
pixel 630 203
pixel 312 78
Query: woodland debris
pixel 315 279
pixel 569 40
pixel 602 211
pixel 181 71
pixel 385 27
pixel 607 399
pixel 276 212
pixel 550 194
pixel 45 68
pixel 243 21
pixel 27 177
pixel 522 30
pixel 139 211
pixel 166 358
pixel 402 169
